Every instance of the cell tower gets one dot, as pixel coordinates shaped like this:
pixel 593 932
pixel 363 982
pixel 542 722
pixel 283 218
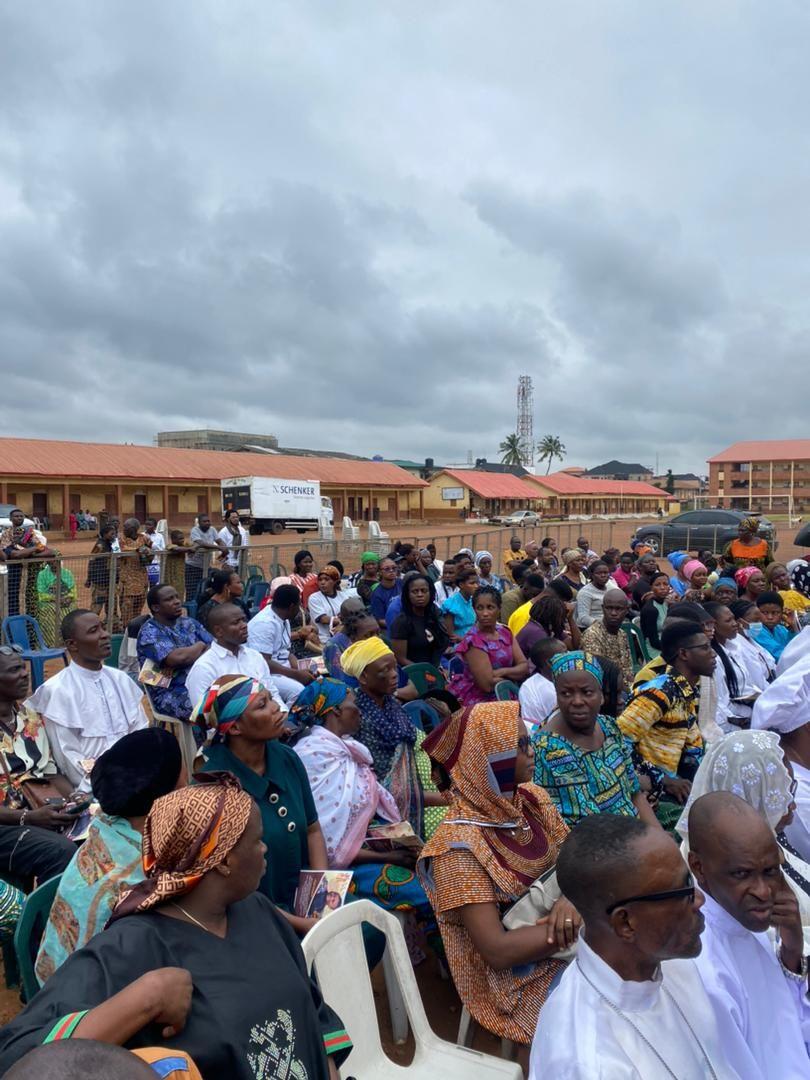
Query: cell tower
pixel 525 419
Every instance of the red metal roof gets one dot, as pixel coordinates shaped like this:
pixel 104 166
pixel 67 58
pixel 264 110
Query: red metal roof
pixel 766 450
pixel 54 458
pixel 489 485
pixel 562 483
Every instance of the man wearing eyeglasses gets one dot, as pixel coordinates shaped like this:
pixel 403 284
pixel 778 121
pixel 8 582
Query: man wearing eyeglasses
pixel 631 1004
pixel 760 981
pixel 661 717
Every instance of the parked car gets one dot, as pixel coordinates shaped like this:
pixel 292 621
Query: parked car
pixel 521 517
pixel 711 528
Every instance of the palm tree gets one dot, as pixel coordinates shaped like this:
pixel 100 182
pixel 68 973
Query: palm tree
pixel 511 451
pixel 549 448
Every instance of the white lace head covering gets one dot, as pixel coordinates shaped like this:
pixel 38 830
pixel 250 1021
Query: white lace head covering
pixel 749 764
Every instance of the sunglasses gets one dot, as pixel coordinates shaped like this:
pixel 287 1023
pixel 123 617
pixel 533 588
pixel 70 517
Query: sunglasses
pixel 686 893
pixel 11 650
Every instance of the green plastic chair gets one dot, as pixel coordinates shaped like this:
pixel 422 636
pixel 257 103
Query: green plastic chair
pixel 425 677
pixel 506 690
pixel 116 641
pixel 255 571
pixel 638 646
pixel 29 933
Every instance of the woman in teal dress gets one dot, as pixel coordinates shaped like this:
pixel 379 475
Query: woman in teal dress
pixel 581 757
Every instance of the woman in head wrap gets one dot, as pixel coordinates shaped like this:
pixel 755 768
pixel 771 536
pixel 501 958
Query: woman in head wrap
pixel 350 798
pixel 245 724
pixel 501 833
pixel 194 957
pixel 580 756
pixel 697 576
pixel 751 582
pixel 677 560
pixel 367 578
pixel 748 549
pixel 324 603
pixel 126 780
pixel 752 765
pixel 483 564
pixel 574 561
pixel 385 727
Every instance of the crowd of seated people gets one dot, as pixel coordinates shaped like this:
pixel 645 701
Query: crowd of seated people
pixel 599 712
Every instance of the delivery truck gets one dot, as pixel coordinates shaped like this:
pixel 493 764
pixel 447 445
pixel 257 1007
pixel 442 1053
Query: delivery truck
pixel 273 505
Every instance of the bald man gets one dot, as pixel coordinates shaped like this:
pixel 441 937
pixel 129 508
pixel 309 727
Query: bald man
pixel 229 655
pixel 632 1005
pixel 763 988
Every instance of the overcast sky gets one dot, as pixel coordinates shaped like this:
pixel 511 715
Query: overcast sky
pixel 354 224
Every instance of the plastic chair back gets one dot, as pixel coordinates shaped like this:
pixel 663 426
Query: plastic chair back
pixel 638 647
pixel 506 690
pixel 255 571
pixel 115 642
pixel 425 677
pixel 334 953
pixel 29 933
pixel 422 715
pixel 455 666
pixel 255 593
pixel 15 631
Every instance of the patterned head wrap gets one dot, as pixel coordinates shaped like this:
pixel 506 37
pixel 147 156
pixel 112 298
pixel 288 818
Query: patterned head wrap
pixel 512 831
pixel 578 660
pixel 369 556
pixel 225 701
pixel 187 834
pixel 750 764
pixel 357 657
pixel 725 583
pixel 750 524
pixel 677 559
pixel 330 572
pixel 570 555
pixel 690 566
pixel 744 575
pixel 317 699
pixel 480 555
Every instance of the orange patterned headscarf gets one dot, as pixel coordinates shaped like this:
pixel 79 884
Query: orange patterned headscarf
pixel 187 833
pixel 513 832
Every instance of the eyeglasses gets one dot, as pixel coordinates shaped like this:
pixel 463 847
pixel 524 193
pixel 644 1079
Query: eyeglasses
pixel 11 650
pixel 686 893
pixel 688 648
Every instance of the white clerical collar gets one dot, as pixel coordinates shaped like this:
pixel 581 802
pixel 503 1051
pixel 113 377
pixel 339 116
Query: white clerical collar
pixel 720 918
pixel 626 995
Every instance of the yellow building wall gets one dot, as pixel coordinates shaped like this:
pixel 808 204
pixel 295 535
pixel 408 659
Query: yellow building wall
pixel 433 495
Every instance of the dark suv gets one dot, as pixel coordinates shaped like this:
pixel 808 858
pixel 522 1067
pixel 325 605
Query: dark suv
pixel 710 528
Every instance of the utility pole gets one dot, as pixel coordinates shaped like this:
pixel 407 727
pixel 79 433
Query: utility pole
pixel 525 419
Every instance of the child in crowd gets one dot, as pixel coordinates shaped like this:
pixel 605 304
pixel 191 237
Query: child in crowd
pixel 771 634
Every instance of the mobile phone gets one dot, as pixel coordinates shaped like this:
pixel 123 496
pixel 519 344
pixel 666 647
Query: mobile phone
pixel 76 808
pixel 54 801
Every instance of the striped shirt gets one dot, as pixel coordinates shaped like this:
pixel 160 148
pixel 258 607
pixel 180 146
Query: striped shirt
pixel 661 719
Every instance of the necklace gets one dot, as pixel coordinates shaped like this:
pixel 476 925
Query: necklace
pixel 641 1034
pixel 188 915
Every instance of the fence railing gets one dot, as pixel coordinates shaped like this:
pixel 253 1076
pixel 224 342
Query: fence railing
pixel 49 588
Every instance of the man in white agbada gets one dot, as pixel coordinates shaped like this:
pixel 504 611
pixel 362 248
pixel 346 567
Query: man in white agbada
pixel 88 706
pixel 229 655
pixel 631 1004
pixel 795 650
pixel 784 707
pixel 762 987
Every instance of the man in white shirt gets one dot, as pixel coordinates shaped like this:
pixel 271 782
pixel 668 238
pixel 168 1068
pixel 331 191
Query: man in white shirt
pixel 269 632
pixel 736 860
pixel 795 650
pixel 229 655
pixel 631 1003
pixel 235 537
pixel 88 706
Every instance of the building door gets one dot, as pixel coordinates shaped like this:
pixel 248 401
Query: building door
pixel 75 502
pixel 174 508
pixel 39 504
pixel 337 508
pixel 202 504
pixel 140 506
pixel 109 504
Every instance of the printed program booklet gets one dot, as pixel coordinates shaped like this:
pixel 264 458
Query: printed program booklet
pixel 321 892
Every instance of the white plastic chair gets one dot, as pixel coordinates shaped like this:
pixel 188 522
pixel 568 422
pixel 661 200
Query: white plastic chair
pixel 350 530
pixel 334 952
pixel 375 532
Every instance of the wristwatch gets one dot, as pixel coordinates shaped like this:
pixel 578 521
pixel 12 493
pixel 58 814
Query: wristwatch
pixel 799 976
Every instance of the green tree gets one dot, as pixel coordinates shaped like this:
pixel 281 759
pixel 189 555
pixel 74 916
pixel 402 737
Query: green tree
pixel 669 483
pixel 511 451
pixel 550 448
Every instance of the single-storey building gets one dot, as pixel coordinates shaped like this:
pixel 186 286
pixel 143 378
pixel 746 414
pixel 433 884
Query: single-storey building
pixel 564 495
pixel 49 478
pixel 457 493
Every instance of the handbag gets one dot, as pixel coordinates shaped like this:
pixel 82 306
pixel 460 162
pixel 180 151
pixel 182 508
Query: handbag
pixel 35 792
pixel 541 897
